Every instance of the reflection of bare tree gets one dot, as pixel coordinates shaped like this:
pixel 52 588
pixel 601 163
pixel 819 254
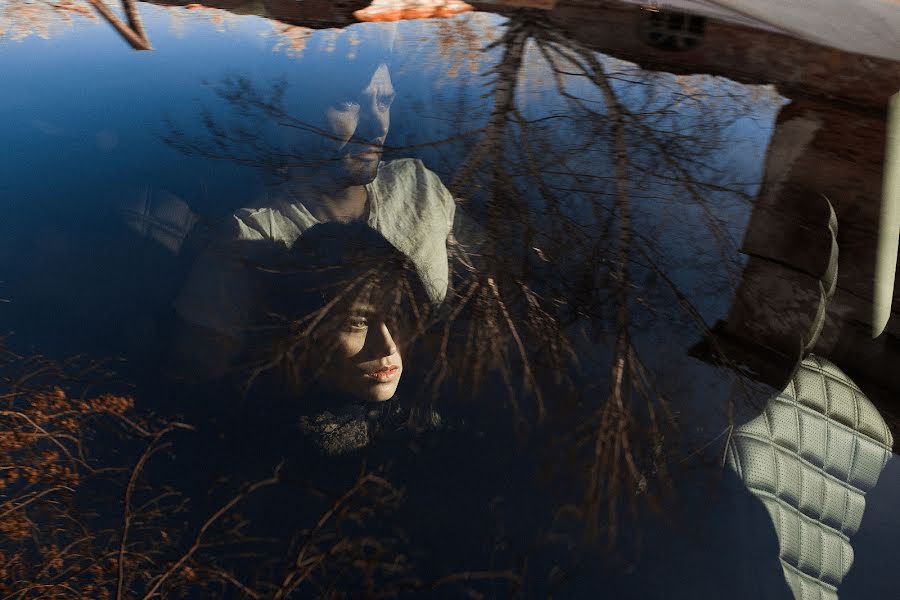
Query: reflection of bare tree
pixel 614 468
pixel 241 142
pixel 595 202
pixel 132 31
pixel 573 209
pixel 499 330
pixel 59 540
pixel 460 42
pixel 75 522
pixel 19 19
pixel 292 39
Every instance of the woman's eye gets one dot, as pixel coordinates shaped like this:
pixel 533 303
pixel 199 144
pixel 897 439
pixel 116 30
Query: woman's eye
pixel 358 323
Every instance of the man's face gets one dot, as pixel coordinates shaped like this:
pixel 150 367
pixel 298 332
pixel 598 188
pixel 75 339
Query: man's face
pixel 365 360
pixel 359 125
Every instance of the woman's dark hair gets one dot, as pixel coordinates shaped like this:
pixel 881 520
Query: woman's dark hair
pixel 312 287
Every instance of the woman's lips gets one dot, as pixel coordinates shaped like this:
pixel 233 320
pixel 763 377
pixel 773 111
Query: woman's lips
pixel 384 374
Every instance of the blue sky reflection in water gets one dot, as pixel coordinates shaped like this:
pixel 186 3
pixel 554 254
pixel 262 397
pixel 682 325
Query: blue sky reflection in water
pixel 86 118
pixel 85 122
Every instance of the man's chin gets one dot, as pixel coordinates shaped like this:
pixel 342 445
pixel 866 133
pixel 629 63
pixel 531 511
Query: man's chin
pixel 359 171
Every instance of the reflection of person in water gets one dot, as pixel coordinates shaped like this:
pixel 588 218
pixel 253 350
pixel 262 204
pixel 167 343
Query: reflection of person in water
pixel 333 172
pixel 344 310
pixel 357 289
pixel 366 363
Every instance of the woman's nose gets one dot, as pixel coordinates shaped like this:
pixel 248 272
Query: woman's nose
pixel 384 343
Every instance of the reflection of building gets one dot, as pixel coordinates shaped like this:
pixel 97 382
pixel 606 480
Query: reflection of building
pixel 543 4
pixel 742 53
pixel 863 26
pixel 673 30
pixel 837 151
pixel 317 14
pixel 829 140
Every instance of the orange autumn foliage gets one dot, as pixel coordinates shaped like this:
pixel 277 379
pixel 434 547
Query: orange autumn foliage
pixel 401 10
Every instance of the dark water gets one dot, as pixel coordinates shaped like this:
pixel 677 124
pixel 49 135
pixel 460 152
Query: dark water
pixel 506 300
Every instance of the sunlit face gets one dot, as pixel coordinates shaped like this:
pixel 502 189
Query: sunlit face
pixel 359 126
pixel 365 360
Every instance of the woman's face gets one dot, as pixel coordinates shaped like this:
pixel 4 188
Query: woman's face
pixel 365 361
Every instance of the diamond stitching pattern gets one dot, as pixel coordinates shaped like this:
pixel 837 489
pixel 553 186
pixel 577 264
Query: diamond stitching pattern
pixel 811 456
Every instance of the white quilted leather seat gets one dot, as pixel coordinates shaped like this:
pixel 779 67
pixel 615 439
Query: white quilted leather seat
pixel 811 456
